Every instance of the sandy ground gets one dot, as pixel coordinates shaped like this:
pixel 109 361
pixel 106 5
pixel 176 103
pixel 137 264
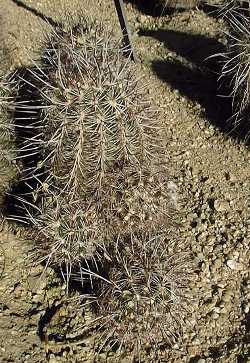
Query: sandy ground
pixel 209 165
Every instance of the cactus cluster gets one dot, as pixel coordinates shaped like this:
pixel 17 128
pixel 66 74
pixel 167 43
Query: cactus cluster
pixel 101 197
pixel 102 208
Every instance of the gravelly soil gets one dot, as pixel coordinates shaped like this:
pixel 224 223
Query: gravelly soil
pixel 209 165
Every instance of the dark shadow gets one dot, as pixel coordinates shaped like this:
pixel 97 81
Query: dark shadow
pixel 35 12
pixel 45 320
pixel 151 8
pixel 196 76
pixel 27 122
pixel 198 86
pixel 155 9
pixel 226 349
pixel 194 47
pixel 210 10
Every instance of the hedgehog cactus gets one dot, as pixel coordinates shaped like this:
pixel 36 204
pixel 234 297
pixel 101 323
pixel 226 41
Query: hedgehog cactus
pixel 67 237
pixel 99 145
pixel 145 303
pixel 72 231
pixel 96 117
pixel 103 190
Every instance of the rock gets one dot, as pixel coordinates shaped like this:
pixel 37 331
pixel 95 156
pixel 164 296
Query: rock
pixel 223 311
pixel 227 297
pixel 215 316
pixel 37 298
pixel 221 205
pixel 217 263
pixel 53 360
pixel 234 265
pixel 246 309
pixel 217 310
pixel 196 341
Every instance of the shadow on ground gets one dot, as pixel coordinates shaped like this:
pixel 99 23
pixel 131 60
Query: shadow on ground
pixel 150 7
pixel 194 73
pixel 37 13
pixel 156 9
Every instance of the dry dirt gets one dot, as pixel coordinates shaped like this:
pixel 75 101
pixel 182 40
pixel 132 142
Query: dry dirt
pixel 38 323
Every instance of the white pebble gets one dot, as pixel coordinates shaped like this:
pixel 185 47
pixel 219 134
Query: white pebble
pixel 233 265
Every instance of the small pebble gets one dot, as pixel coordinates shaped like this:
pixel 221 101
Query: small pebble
pixel 221 205
pixel 233 265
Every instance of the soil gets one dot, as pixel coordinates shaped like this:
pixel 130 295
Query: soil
pixel 208 161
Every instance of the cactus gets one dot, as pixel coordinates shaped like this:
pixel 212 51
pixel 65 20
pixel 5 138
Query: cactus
pixel 99 149
pixel 70 232
pixel 7 139
pixel 67 236
pixel 6 127
pixel 137 201
pixel 95 113
pixel 102 190
pixel 145 303
pixel 236 60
